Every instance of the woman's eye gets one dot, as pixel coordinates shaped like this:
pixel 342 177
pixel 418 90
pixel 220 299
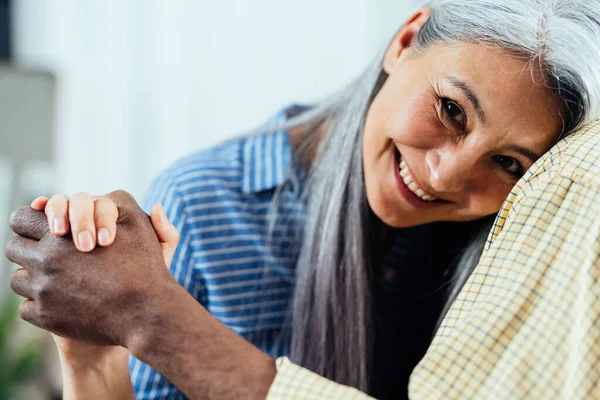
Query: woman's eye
pixel 455 112
pixel 511 165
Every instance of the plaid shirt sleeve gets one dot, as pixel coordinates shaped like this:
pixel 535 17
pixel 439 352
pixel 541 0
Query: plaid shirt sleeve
pixel 527 323
pixel 293 382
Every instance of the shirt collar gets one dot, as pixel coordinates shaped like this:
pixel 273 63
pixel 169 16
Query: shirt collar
pixel 266 157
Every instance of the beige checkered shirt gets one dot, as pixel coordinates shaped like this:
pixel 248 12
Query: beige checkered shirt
pixel 527 323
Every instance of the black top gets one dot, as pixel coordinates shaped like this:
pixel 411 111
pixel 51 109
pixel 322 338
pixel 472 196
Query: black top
pixel 409 299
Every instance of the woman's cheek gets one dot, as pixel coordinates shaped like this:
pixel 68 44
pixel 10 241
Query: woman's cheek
pixel 490 198
pixel 418 127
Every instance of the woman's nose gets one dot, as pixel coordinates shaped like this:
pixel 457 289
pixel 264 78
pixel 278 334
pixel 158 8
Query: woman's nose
pixel 449 170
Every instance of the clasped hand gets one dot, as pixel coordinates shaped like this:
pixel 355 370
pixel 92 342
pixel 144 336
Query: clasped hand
pixel 102 296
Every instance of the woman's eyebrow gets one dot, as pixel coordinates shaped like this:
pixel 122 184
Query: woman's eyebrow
pixel 531 155
pixel 470 93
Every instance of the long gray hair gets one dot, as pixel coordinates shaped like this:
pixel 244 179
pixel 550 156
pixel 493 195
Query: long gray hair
pixel 331 323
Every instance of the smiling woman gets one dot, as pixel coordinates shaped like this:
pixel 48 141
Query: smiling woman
pixel 467 96
pixel 482 118
pixel 339 234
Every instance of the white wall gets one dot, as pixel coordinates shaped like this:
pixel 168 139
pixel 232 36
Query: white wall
pixel 143 82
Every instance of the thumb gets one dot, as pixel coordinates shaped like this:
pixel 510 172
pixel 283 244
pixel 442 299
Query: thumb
pixel 167 234
pixel 39 203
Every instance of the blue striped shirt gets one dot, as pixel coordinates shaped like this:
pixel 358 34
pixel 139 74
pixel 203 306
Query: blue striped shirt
pixel 219 199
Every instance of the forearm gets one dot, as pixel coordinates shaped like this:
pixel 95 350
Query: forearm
pixel 105 377
pixel 198 354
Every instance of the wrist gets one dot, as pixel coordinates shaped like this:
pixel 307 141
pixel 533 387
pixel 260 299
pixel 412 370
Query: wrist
pixel 104 373
pixel 79 376
pixel 197 353
pixel 82 361
pixel 152 318
pixel 99 360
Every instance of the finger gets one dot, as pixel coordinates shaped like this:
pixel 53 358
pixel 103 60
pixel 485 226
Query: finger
pixel 22 251
pixel 57 211
pixel 29 223
pixel 81 218
pixel 27 311
pixel 167 233
pixel 39 203
pixel 126 205
pixel 21 282
pixel 105 218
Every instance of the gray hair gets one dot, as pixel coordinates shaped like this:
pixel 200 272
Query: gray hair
pixel 331 323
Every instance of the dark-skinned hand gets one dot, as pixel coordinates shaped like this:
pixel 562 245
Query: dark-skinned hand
pixel 123 295
pixel 101 296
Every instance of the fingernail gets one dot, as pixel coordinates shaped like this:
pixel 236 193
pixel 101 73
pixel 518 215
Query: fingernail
pixel 86 242
pixel 103 236
pixel 59 225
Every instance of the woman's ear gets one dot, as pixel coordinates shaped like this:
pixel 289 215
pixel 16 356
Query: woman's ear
pixel 404 38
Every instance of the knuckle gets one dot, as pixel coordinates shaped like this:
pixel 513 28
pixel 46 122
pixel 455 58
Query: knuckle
pixel 48 261
pixel 34 313
pixel 59 198
pixel 26 219
pixel 82 196
pixel 15 281
pixel 81 221
pixel 26 312
pixel 119 193
pixel 103 201
pixel 105 206
pixel 53 210
pixel 17 217
pixel 42 292
pixel 42 317
pixel 121 196
pixel 10 248
pixel 127 208
pixel 57 203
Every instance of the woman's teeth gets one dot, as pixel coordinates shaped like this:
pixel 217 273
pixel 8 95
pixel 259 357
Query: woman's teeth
pixel 412 185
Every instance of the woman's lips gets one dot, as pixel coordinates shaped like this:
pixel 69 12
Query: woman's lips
pixel 412 184
pixel 405 191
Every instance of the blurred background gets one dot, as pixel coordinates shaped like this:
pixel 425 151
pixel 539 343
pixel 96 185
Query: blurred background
pixel 99 95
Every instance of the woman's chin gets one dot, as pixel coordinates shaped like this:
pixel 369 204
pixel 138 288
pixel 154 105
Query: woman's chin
pixel 389 213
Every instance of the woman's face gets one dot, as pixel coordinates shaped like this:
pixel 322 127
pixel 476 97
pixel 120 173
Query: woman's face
pixel 451 131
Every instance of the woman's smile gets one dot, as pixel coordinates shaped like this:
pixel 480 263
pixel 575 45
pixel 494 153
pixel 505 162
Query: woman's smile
pixel 409 186
pixel 412 183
